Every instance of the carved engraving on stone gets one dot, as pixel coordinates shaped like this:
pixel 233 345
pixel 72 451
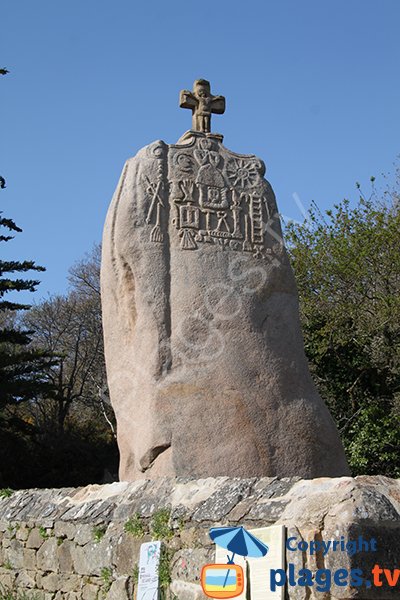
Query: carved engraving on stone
pixel 217 198
pixel 242 173
pixel 202 103
pixel 154 190
pixel 199 344
pixel 184 162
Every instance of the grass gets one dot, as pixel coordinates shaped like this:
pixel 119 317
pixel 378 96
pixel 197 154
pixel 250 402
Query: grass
pixel 135 526
pixel 43 533
pixel 107 577
pixel 160 525
pixel 164 567
pixel 12 529
pixel 10 594
pixel 135 574
pixel 98 533
pixel 164 574
pixel 6 493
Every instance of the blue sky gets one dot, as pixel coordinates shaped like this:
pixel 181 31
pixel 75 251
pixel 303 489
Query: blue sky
pixel 312 88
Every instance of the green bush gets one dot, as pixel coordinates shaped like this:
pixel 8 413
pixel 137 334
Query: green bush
pixel 347 267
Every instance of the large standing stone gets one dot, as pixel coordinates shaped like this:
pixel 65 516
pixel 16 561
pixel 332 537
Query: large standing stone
pixel 205 360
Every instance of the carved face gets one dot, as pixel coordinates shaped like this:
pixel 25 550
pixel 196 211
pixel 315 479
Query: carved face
pixel 202 89
pixel 206 144
pixel 185 162
pixel 213 194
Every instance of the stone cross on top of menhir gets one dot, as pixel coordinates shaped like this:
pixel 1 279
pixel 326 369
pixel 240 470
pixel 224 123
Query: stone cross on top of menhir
pixel 204 352
pixel 202 103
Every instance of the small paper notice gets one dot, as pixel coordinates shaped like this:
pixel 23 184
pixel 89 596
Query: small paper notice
pixel 257 570
pixel 149 560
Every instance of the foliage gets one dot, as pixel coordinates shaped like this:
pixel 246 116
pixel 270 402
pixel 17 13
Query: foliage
pixel 160 525
pixel 12 594
pixel 6 492
pixel 21 366
pixel 43 533
pixel 347 266
pixel 164 573
pixel 67 437
pixel 135 574
pixel 374 440
pixel 164 568
pixel 107 577
pixel 68 327
pixel 56 424
pixel 135 526
pixel 106 574
pixel 12 529
pixel 37 458
pixel 98 533
pixel 84 275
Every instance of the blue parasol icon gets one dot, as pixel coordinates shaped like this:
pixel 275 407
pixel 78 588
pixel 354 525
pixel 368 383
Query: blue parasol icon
pixel 238 541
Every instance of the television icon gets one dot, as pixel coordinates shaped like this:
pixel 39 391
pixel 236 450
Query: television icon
pixel 222 581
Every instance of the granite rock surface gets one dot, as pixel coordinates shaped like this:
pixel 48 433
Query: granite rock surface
pixel 205 360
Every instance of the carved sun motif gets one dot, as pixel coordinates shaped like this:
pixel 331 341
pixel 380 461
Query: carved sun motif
pixel 242 173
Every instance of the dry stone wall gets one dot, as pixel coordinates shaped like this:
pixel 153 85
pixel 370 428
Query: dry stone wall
pixel 84 543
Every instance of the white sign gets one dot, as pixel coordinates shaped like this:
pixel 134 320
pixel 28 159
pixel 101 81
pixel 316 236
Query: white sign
pixel 257 570
pixel 149 560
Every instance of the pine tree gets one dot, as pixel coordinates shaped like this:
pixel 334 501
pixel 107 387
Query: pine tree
pixel 21 367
